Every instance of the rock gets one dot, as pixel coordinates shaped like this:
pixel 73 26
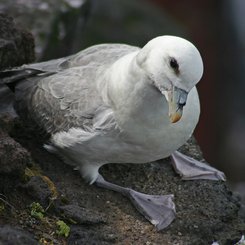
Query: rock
pixel 16 48
pixel 13 157
pixel 82 216
pixel 39 190
pixel 15 236
pixel 57 24
pixel 16 44
pixel 80 235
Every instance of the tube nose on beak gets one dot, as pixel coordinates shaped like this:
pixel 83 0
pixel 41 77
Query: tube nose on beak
pixel 176 100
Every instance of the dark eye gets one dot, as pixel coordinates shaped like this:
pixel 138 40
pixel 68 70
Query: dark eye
pixel 174 64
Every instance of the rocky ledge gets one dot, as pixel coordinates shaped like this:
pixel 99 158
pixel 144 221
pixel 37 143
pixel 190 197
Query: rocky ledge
pixel 38 191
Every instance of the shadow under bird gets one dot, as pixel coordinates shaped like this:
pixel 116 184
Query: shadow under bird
pixel 116 103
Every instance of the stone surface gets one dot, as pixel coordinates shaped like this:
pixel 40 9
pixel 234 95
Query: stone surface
pixel 16 44
pixel 81 215
pixel 81 235
pixel 15 236
pixel 57 24
pixel 39 190
pixel 13 157
pixel 10 149
pixel 206 210
pixel 16 48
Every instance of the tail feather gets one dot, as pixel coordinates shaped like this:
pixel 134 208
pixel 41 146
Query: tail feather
pixel 8 81
pixel 12 77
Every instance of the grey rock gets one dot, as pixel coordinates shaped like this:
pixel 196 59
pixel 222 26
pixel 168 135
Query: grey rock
pixel 16 48
pixel 57 24
pixel 82 215
pixel 80 235
pixel 13 157
pixel 15 236
pixel 39 190
pixel 16 44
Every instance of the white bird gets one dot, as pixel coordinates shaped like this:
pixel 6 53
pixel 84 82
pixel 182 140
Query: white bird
pixel 115 103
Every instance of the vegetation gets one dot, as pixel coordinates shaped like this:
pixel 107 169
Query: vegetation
pixel 37 210
pixel 63 228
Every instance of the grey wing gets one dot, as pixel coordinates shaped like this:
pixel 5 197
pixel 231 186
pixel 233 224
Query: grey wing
pixel 64 100
pixel 102 54
pixel 62 93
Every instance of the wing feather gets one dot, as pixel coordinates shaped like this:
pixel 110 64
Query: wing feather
pixel 68 96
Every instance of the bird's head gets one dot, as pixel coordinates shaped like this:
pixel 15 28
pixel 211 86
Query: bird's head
pixel 174 66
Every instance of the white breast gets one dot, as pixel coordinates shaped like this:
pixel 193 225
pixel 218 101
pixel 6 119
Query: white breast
pixel 153 132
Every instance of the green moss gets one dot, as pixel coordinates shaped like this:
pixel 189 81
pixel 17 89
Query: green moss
pixel 37 210
pixel 63 228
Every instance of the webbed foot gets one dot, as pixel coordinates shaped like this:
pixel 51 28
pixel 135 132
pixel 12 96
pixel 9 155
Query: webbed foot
pixel 190 169
pixel 159 210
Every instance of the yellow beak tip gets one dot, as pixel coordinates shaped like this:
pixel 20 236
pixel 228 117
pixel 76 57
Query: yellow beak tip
pixel 175 117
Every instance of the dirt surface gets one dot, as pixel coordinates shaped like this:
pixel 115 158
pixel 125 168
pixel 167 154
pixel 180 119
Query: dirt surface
pixel 206 210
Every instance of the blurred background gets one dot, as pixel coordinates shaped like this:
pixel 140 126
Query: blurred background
pixel 217 28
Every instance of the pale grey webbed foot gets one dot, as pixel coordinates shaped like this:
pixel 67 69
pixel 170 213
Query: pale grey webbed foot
pixel 159 210
pixel 190 169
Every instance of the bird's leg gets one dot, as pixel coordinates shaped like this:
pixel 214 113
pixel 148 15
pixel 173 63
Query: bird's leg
pixel 159 210
pixel 190 169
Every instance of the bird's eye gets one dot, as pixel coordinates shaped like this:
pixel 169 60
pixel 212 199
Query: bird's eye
pixel 174 64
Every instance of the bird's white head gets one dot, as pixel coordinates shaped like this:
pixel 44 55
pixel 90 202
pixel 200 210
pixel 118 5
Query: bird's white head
pixel 174 66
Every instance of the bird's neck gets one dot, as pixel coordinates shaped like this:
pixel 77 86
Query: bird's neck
pixel 124 81
pixel 129 91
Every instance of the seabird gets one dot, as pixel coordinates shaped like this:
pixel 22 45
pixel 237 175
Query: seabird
pixel 116 103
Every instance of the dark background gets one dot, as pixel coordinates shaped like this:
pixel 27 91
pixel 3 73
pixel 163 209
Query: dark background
pixel 217 28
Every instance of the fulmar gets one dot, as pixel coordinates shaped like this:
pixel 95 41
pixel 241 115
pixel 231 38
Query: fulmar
pixel 116 103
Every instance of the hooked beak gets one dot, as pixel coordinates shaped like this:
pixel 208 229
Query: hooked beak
pixel 176 98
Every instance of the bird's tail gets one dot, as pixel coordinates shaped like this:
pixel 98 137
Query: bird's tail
pixel 9 79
